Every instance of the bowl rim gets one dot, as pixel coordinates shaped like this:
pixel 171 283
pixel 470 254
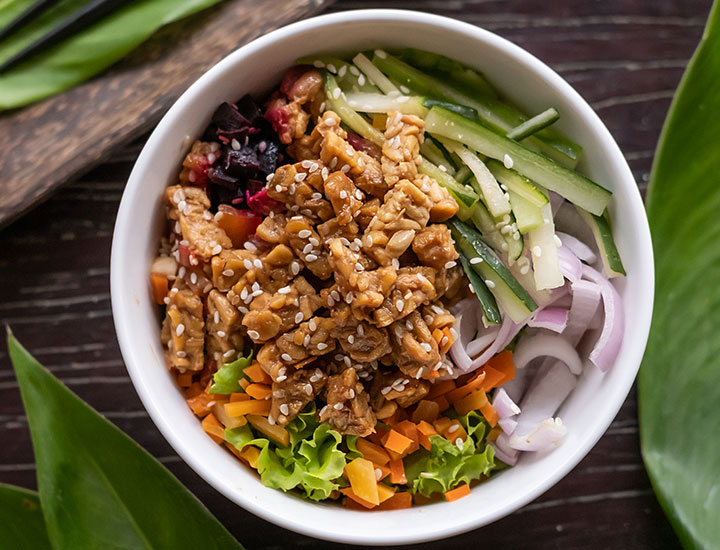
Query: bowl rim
pixel 122 315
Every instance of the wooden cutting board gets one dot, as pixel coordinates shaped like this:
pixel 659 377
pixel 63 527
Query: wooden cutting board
pixel 50 143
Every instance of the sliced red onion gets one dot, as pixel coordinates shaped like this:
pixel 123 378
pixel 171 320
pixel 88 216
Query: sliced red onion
pixel 570 265
pixel 542 344
pixel 507 332
pixel 482 342
pixel 608 345
pixel 503 405
pixel 457 351
pixel 577 247
pixel 504 451
pixel 556 201
pixel 516 387
pixel 507 425
pixel 585 301
pixel 545 436
pixel 551 318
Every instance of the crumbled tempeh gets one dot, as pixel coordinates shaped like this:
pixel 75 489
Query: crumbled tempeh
pixel 443 206
pixel 331 229
pixel 183 330
pixel 401 148
pixel 312 338
pixel 405 390
pixel 229 266
pixel 348 410
pixel 306 243
pixel 189 206
pixel 368 211
pixel 300 189
pixel 415 351
pixel 222 326
pixel 437 317
pixel 413 287
pixel 346 199
pixel 291 394
pixel 434 246
pixel 362 341
pixel 272 229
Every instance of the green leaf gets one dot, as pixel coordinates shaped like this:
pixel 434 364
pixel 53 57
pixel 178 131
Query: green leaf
pixel 679 384
pixel 98 488
pixel 85 53
pixel 227 378
pixel 22 524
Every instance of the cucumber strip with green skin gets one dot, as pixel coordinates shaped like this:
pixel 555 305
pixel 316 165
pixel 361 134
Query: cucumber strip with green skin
pixel 493 195
pixel 527 215
pixel 574 187
pixel 379 103
pixel 374 74
pixel 467 79
pixel 336 101
pixel 472 245
pixel 348 80
pixel 600 226
pixel 430 151
pixel 462 110
pixel 496 115
pixel 503 243
pixel 482 293
pixel 518 184
pixel 534 124
pixel 543 247
pixel 460 193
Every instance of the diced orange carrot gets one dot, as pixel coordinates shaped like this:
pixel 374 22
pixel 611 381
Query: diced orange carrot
pixel 211 425
pixel 458 492
pixel 454 431
pixel 384 492
pixel 230 422
pixel 244 383
pixel 397 471
pixel 437 335
pixel 493 378
pixel 446 344
pixel 409 430
pixel 426 410
pixel 494 433
pixel 202 403
pixel 373 452
pixel 185 379
pixel 425 430
pixel 475 383
pixel 273 431
pixel 259 391
pixel 490 414
pixel 443 403
pixel 241 408
pixel 439 388
pixel 442 424
pixel 160 287
pixel 471 402
pixel 384 471
pixel 431 374
pixel 352 504
pixel 256 373
pixel 194 390
pixel 361 474
pixel 377 437
pixel 249 454
pixel 503 362
pixel 239 396
pixel 397 442
pixel 398 501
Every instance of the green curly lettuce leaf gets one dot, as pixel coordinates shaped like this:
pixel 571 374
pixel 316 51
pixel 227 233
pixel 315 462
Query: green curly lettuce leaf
pixel 312 462
pixel 447 465
pixel 227 378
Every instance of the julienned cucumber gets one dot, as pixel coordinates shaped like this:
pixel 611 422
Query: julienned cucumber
pixel 483 294
pixel 527 215
pixel 348 80
pixel 600 225
pixel 517 183
pixel 503 243
pixel 337 102
pixel 379 103
pixel 460 193
pixel 430 151
pixel 512 297
pixel 534 125
pixel 574 187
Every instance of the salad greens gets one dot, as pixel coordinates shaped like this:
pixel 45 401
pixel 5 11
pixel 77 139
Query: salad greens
pixel 679 384
pixel 22 523
pixel 84 54
pixel 98 488
pixel 227 378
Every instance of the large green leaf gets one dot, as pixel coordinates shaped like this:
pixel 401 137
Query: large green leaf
pixel 22 526
pixel 98 488
pixel 680 377
pixel 85 53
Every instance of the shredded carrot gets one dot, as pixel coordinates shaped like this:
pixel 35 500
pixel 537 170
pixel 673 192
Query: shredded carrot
pixel 361 474
pixel 440 388
pixel 384 471
pixel 409 430
pixel 494 433
pixel 490 414
pixel 503 362
pixel 239 396
pixel 185 380
pixel 426 410
pixel 194 390
pixel 202 403
pixel 384 492
pixel 445 347
pixel 437 335
pixel 249 454
pixel 432 374
pixel 442 424
pixel 259 391
pixel 397 442
pixel 475 383
pixel 443 403
pixel 230 422
pixel 397 471
pixel 241 408
pixel 458 492
pixel 493 378
pixel 257 374
pixel 373 452
pixel 398 501
pixel 425 430
pixel 454 431
pixel 211 425
pixel 382 489
pixel 472 402
pixel 244 383
pixel 352 504
pixel 273 431
pixel 160 287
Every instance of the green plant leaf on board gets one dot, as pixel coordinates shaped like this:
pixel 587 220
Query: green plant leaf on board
pixel 22 523
pixel 84 54
pixel 679 384
pixel 98 488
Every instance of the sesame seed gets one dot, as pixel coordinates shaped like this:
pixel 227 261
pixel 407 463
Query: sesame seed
pixel 299 317
pixel 306 340
pixel 381 54
pixel 338 406
pixel 318 64
pixel 438 365
pixel 419 373
pixel 311 258
pixel 193 278
pixel 425 188
pixel 166 300
pixel 181 206
pixel 284 290
pixel 524 269
pixel 181 271
pixel 248 264
pixel 378 474
pixel 425 474
pixel 180 329
pixel 250 246
pixel 409 325
pixel 508 162
pixel 258 263
pixel 228 273
pixel 216 250
pixel 336 93
pixel 489 283
pixel 221 333
pixel 229 353
pixel 281 378
pixel 459 443
pixel 331 68
pixel 395 263
pixel 254 334
pixel 427 347
pixel 386 390
pixel 475 261
pixel 317 196
pixel 312 325
pixel 343 194
pixel 180 353
pixel 358 194
pixel 336 295
pixel 314 241
pixel 349 297
pixel 286 357
pixel 284 409
pixel 322 346
pixel 304 233
pixel 278 188
pixel 537 251
pixel 307 248
pixel 442 167
pixel 400 304
pixel 244 293
pixel 361 79
pixel 451 263
pixel 351 339
pixel 444 340
pixel 360 331
pixel 295 268
pixel 347 360
pixel 408 295
pixel 359 266
pixel 300 176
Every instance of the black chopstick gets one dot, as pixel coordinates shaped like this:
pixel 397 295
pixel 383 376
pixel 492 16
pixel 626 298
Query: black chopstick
pixel 76 21
pixel 30 13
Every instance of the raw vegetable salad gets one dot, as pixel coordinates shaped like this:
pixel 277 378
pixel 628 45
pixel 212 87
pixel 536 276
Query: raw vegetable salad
pixel 375 282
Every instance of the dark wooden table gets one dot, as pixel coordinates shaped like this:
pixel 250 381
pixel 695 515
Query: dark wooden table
pixel 624 56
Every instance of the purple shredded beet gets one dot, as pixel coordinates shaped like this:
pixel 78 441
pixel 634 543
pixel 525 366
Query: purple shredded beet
pixel 362 144
pixel 262 204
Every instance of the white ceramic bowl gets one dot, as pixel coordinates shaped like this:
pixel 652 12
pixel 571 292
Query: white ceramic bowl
pixel 257 68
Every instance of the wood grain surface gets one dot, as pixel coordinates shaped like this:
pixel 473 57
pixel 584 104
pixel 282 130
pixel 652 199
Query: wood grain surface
pixel 624 56
pixel 48 144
